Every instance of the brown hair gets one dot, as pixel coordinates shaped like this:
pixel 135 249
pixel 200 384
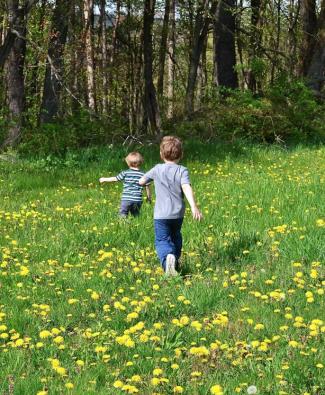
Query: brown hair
pixel 134 159
pixel 171 148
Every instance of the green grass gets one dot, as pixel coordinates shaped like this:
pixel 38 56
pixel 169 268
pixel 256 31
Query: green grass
pixel 68 262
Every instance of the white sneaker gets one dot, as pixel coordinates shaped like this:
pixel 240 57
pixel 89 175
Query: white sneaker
pixel 170 265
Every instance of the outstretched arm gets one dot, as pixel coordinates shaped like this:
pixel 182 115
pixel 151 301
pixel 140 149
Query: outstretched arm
pixel 188 192
pixel 108 179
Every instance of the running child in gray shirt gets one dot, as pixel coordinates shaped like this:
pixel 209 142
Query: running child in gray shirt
pixel 172 182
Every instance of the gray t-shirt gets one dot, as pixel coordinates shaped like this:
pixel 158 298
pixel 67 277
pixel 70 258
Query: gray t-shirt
pixel 168 179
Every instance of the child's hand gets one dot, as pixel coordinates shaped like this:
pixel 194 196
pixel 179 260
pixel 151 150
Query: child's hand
pixel 197 215
pixel 102 179
pixel 149 199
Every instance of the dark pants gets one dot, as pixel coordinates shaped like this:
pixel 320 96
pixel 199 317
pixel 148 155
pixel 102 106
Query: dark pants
pixel 168 239
pixel 130 207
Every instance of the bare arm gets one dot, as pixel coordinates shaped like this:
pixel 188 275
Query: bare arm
pixel 108 179
pixel 188 192
pixel 148 192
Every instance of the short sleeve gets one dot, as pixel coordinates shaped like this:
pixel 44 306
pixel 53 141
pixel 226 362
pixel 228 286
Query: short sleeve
pixel 120 176
pixel 151 174
pixel 185 177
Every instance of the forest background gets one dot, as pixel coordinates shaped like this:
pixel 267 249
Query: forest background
pixel 82 72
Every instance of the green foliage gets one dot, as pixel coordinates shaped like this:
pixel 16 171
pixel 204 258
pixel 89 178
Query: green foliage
pixel 79 130
pixel 287 113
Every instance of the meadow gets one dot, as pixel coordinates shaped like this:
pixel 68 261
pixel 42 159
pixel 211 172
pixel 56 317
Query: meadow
pixel 86 309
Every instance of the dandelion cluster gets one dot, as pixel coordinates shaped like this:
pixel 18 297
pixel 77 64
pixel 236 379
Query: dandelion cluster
pixel 85 307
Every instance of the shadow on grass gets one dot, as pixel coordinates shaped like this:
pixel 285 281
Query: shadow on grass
pixel 216 256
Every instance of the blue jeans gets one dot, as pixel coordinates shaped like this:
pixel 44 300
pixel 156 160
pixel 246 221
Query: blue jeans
pixel 168 238
pixel 130 207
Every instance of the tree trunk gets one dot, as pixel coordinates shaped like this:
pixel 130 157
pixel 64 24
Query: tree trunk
pixel 225 73
pixel 309 27
pixel 104 55
pixel 316 69
pixel 255 42
pixel 171 61
pixel 163 48
pixel 293 18
pixel 201 75
pixel 114 41
pixel 14 71
pixel 54 66
pixel 151 108
pixel 34 89
pixel 88 12
pixel 201 26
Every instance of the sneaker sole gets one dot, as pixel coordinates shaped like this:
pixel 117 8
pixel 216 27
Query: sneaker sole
pixel 170 265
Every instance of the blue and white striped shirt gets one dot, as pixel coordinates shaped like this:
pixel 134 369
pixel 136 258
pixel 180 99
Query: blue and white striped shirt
pixel 132 191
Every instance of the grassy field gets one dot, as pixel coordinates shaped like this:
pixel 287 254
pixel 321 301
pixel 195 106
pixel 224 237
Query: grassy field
pixel 85 308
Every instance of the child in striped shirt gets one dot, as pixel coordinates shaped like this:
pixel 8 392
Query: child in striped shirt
pixel 131 201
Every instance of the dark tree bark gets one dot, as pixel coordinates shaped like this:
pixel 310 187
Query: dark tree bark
pixel 54 67
pixel 151 107
pixel 316 69
pixel 201 26
pixel 14 71
pixel 6 47
pixel 7 41
pixel 224 45
pixel 34 88
pixel 309 27
pixel 255 42
pixel 163 48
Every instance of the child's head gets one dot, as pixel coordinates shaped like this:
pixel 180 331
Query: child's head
pixel 134 159
pixel 171 149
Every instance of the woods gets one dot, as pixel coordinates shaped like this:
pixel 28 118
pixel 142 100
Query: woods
pixel 132 67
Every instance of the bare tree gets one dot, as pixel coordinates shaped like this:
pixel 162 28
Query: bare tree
pixel 104 55
pixel 316 69
pixel 225 73
pixel 88 14
pixel 151 107
pixel 163 48
pixel 171 60
pixel 309 26
pixel 255 42
pixel 201 26
pixel 54 66
pixel 14 70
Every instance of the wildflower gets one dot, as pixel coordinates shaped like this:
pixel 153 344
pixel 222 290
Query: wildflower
pixel 157 372
pixel 155 381
pixel 216 390
pixel 69 386
pixel 94 295
pixel 197 325
pixel 118 384
pixel 178 389
pixel 44 334
pixel 200 351
pixel 259 327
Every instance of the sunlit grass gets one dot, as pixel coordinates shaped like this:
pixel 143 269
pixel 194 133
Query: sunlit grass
pixel 85 308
